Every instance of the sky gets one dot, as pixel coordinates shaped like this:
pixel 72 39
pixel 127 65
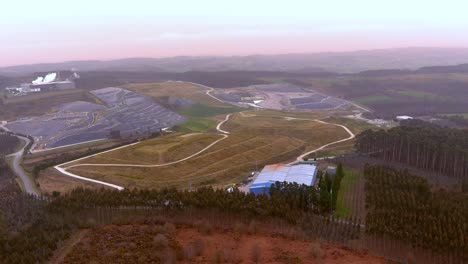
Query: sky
pixel 33 31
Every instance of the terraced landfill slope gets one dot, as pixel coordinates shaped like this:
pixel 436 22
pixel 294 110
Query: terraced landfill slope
pixel 126 111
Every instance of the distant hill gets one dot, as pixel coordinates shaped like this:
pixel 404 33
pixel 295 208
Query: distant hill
pixel 224 79
pixel 462 68
pixel 341 62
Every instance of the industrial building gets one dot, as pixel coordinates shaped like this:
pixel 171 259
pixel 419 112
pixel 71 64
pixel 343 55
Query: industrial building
pixel 403 117
pixel 297 173
pixel 51 82
pixel 53 86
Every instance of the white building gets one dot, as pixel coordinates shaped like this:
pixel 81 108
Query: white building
pixel 403 117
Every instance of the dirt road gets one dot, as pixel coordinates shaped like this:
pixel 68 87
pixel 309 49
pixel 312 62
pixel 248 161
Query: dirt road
pixel 224 134
pixel 28 183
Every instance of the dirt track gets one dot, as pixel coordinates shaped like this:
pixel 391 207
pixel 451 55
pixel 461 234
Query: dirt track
pixel 223 133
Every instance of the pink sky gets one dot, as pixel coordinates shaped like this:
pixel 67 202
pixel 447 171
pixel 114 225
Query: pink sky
pixel 51 31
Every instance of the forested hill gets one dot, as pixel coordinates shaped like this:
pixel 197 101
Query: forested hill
pixel 441 150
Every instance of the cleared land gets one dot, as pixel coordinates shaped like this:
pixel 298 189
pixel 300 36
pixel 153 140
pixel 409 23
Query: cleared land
pixel 254 140
pixel 148 244
pixel 41 103
pixel 188 100
pixel 167 93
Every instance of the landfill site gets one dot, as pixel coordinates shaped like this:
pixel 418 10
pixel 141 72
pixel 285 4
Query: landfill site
pixel 121 110
pixel 280 96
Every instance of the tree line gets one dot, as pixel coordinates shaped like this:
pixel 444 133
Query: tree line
pixel 405 207
pixel 56 218
pixel 286 200
pixel 441 150
pixel 8 143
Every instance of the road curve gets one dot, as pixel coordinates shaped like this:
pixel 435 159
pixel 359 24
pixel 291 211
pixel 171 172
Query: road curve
pixel 224 134
pixel 28 183
pixel 351 136
pixel 301 157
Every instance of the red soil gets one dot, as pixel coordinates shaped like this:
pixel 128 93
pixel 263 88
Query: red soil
pixel 272 249
pixel 136 244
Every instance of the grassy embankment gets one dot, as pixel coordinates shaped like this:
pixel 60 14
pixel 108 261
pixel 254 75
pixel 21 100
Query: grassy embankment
pixel 350 201
pixel 201 110
pixel 253 140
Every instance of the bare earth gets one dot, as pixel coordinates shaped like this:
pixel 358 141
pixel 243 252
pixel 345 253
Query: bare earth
pixel 132 242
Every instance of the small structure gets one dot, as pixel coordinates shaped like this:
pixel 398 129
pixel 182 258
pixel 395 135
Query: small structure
pixel 298 173
pixel 403 117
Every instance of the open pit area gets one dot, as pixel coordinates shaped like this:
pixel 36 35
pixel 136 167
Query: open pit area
pixel 280 96
pixel 121 110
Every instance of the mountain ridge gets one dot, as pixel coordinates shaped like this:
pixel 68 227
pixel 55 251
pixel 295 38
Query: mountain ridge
pixel 340 62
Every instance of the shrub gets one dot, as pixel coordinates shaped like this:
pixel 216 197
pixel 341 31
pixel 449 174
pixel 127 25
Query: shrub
pixel 316 251
pixel 253 227
pixel 205 228
pixel 169 228
pixel 160 241
pixel 238 230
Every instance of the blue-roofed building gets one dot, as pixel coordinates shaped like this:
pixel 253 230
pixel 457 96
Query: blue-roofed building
pixel 298 173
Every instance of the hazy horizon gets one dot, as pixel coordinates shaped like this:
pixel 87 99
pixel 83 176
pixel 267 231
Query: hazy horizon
pixel 50 31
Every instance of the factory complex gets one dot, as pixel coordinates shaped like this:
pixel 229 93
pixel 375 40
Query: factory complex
pixel 297 173
pixel 51 82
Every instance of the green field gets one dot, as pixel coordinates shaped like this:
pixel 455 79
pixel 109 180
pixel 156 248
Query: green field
pixel 196 125
pixel 161 92
pixel 350 196
pixel 254 140
pixel 417 94
pixel 202 110
pixel 201 114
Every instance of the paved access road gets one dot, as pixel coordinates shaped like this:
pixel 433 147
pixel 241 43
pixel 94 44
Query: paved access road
pixel 28 183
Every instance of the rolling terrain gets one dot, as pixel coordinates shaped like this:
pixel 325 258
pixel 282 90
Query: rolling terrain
pixel 42 103
pixel 253 142
pixel 343 62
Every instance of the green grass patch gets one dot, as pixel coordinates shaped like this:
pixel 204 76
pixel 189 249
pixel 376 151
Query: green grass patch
pixel 373 99
pixel 349 180
pixel 196 125
pixel 417 94
pixel 202 110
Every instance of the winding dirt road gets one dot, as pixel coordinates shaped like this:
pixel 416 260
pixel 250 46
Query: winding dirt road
pixel 28 183
pixel 223 133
